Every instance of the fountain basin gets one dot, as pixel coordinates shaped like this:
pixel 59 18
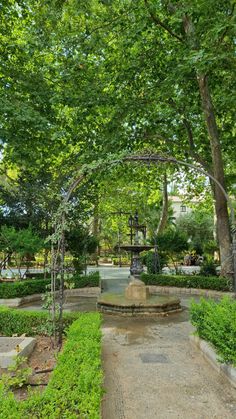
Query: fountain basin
pixel 154 305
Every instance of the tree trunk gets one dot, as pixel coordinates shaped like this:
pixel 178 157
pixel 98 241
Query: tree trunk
pixel 95 227
pixel 164 212
pixel 221 210
pixel 223 228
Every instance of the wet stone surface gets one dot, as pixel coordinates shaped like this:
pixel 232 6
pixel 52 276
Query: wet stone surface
pixel 149 358
pixel 152 371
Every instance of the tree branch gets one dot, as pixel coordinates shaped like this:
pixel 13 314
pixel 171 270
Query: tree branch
pixel 227 27
pixel 192 147
pixel 159 22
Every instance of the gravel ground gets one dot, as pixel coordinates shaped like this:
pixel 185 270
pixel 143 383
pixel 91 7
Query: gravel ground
pixel 152 371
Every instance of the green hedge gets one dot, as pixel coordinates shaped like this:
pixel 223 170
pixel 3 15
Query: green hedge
pixel 14 321
pixel 123 261
pixel 216 323
pixel 38 286
pixel 82 281
pixel 188 281
pixel 75 387
pixel 23 288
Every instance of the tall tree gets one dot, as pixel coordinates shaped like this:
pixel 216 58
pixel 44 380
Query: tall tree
pixel 170 68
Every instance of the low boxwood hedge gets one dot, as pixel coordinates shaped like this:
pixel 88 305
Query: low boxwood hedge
pixel 75 387
pixel 188 281
pixel 14 321
pixel 82 281
pixel 23 288
pixel 39 286
pixel 216 323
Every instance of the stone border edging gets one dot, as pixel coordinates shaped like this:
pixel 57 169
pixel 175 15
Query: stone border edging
pixel 156 289
pixel 26 346
pixel 75 292
pixel 210 355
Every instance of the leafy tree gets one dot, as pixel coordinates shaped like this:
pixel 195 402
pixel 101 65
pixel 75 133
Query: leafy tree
pixel 171 244
pixel 198 227
pixel 19 243
pixel 167 63
pixel 80 243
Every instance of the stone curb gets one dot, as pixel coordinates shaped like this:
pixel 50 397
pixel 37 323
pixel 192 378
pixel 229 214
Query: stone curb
pixel 210 355
pixel 75 292
pixel 26 347
pixel 156 289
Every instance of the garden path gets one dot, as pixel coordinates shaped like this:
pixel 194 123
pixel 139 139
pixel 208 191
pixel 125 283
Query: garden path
pixel 153 372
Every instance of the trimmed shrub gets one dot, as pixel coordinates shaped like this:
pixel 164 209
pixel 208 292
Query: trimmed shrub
pixel 82 281
pixel 38 286
pixel 216 323
pixel 23 288
pixel 123 260
pixel 187 281
pixel 75 387
pixel 13 321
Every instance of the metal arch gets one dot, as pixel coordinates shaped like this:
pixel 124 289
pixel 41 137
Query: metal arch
pixel 155 158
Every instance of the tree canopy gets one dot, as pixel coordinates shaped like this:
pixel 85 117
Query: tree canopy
pixel 83 81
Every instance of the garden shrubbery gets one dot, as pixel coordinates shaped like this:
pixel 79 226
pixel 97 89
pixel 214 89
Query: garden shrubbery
pixel 82 281
pixel 14 321
pixel 124 261
pixel 187 281
pixel 23 288
pixel 216 323
pixel 154 263
pixel 38 286
pixel 75 388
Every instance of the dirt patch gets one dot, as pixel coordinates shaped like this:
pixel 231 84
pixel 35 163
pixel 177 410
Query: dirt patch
pixel 43 358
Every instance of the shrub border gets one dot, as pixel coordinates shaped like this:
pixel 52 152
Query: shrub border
pixel 75 387
pixel 19 289
pixel 188 281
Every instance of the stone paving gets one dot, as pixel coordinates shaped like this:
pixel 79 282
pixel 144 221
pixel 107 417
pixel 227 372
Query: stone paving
pixel 152 371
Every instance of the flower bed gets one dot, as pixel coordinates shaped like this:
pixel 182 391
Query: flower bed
pixel 186 281
pixel 75 388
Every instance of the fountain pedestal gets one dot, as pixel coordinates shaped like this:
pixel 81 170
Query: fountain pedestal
pixel 136 291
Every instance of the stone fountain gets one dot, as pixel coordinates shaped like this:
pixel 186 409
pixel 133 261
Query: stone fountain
pixel 136 299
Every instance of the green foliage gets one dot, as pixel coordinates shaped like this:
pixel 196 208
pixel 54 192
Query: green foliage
pixel 79 241
pixel 153 264
pixel 22 288
pixel 216 323
pixel 172 242
pixel 21 242
pixel 82 281
pixel 75 388
pixel 123 260
pixel 188 281
pixel 13 321
pixel 208 268
pixel 37 286
pixel 19 373
pixel 171 245
pixel 198 226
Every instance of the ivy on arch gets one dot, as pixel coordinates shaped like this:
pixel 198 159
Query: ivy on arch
pixel 60 222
